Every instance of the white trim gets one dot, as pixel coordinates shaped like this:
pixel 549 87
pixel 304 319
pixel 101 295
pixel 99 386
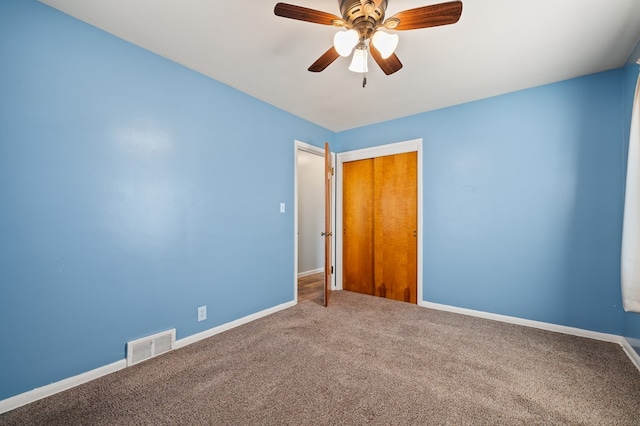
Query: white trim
pixel 378 151
pixel 596 335
pixel 605 337
pixel 62 385
pixel 307 273
pixel 233 324
pixel 381 150
pixel 311 149
pixel 631 352
pixel 333 222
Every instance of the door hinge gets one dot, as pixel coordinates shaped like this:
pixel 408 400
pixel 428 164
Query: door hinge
pixel 331 269
pixel 332 171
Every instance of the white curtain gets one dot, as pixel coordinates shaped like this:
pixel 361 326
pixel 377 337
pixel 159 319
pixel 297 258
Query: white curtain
pixel 630 262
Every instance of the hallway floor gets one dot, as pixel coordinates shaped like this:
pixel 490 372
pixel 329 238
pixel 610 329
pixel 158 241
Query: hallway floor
pixel 311 288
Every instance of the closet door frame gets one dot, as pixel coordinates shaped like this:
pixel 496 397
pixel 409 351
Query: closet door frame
pixel 414 145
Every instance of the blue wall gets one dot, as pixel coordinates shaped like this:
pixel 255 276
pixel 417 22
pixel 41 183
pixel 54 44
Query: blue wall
pixel 522 201
pixel 133 191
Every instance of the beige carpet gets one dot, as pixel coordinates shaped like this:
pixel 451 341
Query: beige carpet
pixel 364 360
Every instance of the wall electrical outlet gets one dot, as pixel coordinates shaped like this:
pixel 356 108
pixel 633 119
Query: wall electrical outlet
pixel 202 313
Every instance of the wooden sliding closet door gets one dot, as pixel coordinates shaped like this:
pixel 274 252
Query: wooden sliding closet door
pixel 396 225
pixel 357 217
pixel 380 226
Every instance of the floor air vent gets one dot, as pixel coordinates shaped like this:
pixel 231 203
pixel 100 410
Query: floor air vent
pixel 147 347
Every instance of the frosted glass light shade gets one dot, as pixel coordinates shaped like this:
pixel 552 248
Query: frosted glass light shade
pixel 359 61
pixel 345 41
pixel 385 43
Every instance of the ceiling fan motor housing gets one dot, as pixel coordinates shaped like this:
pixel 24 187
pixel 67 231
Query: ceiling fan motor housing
pixel 363 16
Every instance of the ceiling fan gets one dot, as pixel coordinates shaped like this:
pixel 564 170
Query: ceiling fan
pixel 364 20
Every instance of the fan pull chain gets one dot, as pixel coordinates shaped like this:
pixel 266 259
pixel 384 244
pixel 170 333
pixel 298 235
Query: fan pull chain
pixel 364 73
pixel 364 67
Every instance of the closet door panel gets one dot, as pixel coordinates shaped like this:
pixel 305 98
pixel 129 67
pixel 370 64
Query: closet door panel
pixel 395 227
pixel 357 242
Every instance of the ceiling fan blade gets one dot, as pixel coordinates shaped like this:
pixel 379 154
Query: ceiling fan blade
pixel 325 60
pixel 389 65
pixel 305 14
pixel 429 16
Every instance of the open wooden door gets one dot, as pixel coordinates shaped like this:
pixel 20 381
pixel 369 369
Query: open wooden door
pixel 328 240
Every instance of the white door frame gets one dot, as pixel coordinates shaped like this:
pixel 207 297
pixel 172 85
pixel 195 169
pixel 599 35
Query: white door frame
pixel 361 154
pixel 311 149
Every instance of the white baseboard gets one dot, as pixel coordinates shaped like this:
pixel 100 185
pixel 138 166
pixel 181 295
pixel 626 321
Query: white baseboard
pixel 606 337
pixel 311 272
pixel 631 352
pixel 228 326
pixel 48 390
pixel 53 388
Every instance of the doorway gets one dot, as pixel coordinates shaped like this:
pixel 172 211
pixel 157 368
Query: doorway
pixel 369 153
pixel 309 224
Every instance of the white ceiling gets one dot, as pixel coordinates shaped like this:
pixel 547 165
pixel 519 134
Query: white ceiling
pixel 498 46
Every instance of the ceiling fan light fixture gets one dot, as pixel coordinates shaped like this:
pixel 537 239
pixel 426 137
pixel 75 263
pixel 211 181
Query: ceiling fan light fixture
pixel 359 61
pixel 385 43
pixel 366 17
pixel 345 41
